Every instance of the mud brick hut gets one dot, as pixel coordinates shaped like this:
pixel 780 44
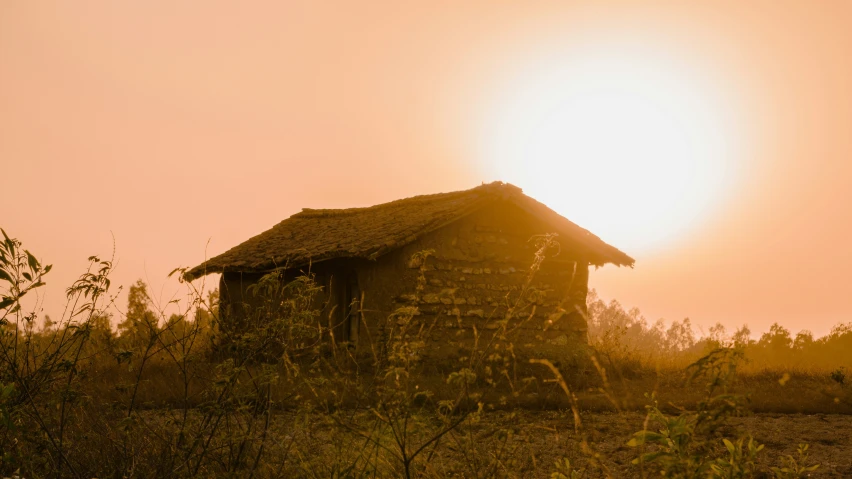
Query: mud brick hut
pixel 483 242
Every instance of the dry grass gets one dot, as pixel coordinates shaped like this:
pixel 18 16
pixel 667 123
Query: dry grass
pixel 526 444
pixel 173 397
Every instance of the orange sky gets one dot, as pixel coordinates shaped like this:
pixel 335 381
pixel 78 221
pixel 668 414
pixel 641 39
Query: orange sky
pixel 169 124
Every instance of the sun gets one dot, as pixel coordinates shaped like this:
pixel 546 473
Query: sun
pixel 627 143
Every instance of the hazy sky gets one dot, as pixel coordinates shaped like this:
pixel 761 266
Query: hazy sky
pixel 168 124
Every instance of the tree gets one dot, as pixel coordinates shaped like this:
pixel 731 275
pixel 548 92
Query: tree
pixel 139 320
pixel 100 325
pixel 777 339
pixel 804 340
pixel 742 337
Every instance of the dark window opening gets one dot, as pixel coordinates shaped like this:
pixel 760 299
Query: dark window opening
pixel 348 309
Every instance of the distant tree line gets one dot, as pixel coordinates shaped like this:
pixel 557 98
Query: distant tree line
pixel 627 333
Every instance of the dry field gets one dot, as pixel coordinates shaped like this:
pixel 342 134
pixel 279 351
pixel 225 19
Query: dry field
pixel 176 395
pixel 539 439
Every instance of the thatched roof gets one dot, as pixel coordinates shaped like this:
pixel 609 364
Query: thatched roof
pixel 317 235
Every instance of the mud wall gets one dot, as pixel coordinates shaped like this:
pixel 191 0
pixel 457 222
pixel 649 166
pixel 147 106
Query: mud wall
pixel 478 274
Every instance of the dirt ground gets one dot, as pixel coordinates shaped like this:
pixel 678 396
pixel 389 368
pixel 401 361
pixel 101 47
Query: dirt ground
pixel 546 436
pixel 539 439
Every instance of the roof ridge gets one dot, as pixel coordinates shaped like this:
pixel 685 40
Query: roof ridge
pixel 499 186
pixel 496 188
pixel 367 232
pixel 327 212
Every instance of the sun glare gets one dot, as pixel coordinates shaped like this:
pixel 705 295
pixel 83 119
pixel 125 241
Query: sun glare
pixel 628 144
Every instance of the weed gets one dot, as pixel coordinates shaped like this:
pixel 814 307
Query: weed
pixel 795 467
pixel 839 375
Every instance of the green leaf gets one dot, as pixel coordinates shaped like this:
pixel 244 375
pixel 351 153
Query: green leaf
pixel 650 457
pixel 729 445
pixel 5 276
pixel 643 437
pixel 6 302
pixel 635 442
pixel 32 261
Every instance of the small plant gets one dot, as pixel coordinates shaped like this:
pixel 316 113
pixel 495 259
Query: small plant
pixel 564 470
pixel 677 449
pixel 795 467
pixel 839 375
pixel 741 459
pixel 683 446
